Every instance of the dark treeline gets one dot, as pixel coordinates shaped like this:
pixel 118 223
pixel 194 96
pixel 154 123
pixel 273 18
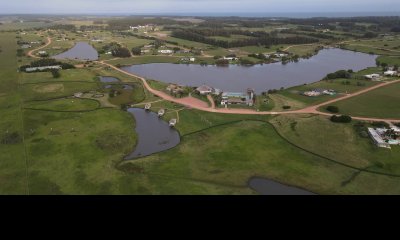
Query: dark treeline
pixel 67 27
pixel 390 23
pixel 265 40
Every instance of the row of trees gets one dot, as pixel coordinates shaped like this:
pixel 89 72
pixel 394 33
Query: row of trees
pixel 191 35
pixel 44 62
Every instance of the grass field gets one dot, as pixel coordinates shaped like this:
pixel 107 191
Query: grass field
pixel 340 142
pixel 13 158
pixel 66 75
pixel 337 85
pixel 304 50
pixel 66 104
pixel 44 91
pixel 390 60
pixel 380 103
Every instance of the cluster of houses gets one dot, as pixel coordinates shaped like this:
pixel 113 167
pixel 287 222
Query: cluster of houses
pixel 277 56
pixel 384 137
pixel 389 73
pixel 143 27
pixel 188 59
pixel 319 92
pixel 229 98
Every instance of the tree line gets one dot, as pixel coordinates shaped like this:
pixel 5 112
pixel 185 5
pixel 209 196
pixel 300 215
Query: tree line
pixel 265 40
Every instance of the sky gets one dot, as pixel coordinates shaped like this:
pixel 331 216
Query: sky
pixel 194 6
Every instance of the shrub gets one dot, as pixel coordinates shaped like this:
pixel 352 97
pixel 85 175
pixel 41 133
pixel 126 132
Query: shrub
pixel 341 119
pixel 222 62
pixel 332 109
pixel 11 138
pixel 55 73
pixel 286 107
pixel 380 125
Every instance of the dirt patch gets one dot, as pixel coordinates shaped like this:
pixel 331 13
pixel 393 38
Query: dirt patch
pixel 49 88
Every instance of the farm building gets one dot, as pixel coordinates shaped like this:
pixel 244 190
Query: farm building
pixel 390 73
pixel 373 76
pixel 247 98
pixel 165 51
pixel 204 90
pixel 34 69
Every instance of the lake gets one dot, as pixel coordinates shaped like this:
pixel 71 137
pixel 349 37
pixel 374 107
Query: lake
pixel 268 187
pixel 81 51
pixel 259 77
pixel 154 134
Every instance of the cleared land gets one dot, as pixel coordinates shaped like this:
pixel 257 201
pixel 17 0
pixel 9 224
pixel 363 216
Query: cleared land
pixel 381 103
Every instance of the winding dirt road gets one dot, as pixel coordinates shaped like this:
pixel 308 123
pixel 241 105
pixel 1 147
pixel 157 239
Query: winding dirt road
pixel 194 103
pixel 30 53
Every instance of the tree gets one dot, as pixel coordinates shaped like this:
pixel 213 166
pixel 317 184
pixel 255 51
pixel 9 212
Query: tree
pixel 121 52
pixel 136 51
pixel 55 73
pixel 341 119
pixel 332 109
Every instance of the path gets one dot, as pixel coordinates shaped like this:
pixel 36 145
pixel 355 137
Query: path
pixel 195 103
pixel 211 100
pixel 30 53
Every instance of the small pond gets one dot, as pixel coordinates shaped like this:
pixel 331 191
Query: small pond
pixel 154 134
pixel 268 187
pixel 104 79
pixel 81 51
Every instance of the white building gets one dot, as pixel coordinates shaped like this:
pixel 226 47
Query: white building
pixel 373 76
pixel 377 138
pixel 231 58
pixel 204 90
pixel 390 73
pixel 165 51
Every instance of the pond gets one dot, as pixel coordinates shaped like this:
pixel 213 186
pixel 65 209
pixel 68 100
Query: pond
pixel 104 79
pixel 154 134
pixel 259 77
pixel 268 187
pixel 81 51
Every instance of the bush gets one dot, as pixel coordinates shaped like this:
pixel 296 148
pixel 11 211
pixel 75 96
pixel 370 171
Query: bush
pixel 341 119
pixel 332 109
pixel 286 107
pixel 339 74
pixel 121 52
pixel 55 73
pixel 222 62
pixel 136 51
pixel 11 138
pixel 380 125
pixel 246 62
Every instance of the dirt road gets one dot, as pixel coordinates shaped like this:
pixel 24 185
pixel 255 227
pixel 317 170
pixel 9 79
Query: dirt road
pixel 30 53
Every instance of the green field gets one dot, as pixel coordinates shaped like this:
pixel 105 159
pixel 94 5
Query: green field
pixel 380 103
pixel 336 84
pixel 13 165
pixel 64 105
pixel 339 142
pixel 66 75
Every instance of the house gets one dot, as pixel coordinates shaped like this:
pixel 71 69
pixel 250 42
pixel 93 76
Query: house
pixel 175 89
pixel 377 138
pixel 373 76
pixel 165 51
pixel 230 58
pixel 390 73
pixel 205 90
pixel 187 59
pixel 25 46
pixel 312 93
pixel 281 55
pixel 247 98
pixel 78 95
pixel 42 53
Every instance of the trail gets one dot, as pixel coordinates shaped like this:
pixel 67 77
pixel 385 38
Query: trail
pixel 30 53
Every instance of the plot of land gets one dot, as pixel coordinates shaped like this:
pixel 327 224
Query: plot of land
pixel 380 103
